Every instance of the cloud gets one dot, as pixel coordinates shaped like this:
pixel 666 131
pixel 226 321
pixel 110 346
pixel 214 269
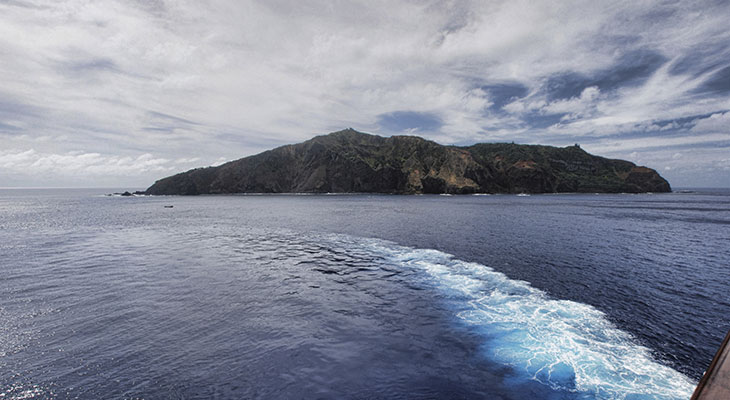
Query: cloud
pixel 578 107
pixel 718 122
pixel 223 79
pixel 86 164
pixel 75 167
pixel 501 94
pixel 609 146
pixel 697 166
pixel 410 121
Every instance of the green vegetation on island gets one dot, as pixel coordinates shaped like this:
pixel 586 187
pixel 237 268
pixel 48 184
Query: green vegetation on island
pixel 349 161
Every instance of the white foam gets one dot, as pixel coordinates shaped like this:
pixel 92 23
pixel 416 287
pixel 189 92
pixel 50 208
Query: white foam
pixel 564 344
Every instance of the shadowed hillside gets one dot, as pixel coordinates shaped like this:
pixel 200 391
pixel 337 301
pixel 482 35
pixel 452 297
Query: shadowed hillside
pixel 349 161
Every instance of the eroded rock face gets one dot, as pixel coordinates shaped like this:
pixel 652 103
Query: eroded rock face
pixel 349 161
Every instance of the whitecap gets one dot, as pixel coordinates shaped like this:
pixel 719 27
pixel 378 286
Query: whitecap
pixel 566 345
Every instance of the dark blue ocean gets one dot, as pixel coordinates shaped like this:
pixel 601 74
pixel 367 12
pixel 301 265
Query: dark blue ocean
pixel 361 296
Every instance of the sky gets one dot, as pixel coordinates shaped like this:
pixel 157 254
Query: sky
pixel 113 93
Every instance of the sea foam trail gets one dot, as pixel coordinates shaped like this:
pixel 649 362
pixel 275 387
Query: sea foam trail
pixel 568 346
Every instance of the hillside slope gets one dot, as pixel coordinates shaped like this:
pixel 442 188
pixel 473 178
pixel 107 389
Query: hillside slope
pixel 349 161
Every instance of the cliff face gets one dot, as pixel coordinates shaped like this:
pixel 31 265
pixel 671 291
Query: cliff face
pixel 350 161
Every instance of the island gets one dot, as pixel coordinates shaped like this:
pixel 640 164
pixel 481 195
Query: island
pixel 349 161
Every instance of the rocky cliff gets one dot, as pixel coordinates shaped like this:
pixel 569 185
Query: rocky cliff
pixel 350 161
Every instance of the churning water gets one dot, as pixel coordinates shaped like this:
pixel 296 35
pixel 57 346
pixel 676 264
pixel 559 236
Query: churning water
pixel 554 296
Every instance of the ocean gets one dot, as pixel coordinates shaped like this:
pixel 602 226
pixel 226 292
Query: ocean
pixel 570 296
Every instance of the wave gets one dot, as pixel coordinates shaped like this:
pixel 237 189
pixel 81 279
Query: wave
pixel 568 346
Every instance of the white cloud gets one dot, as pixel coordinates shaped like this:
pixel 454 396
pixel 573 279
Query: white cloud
pixel 719 122
pixel 700 166
pixel 187 160
pixel 608 146
pixel 219 161
pixel 79 163
pixel 212 79
pixel 576 107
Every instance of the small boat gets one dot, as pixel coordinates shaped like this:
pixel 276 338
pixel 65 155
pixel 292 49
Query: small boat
pixel 523 195
pixel 168 206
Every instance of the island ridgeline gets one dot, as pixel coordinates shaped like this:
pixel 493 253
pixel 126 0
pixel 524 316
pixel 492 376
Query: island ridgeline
pixel 349 161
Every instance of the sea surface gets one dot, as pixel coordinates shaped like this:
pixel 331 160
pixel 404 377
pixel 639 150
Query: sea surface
pixel 574 296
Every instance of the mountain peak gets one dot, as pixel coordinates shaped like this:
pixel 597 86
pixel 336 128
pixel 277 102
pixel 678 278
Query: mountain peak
pixel 353 161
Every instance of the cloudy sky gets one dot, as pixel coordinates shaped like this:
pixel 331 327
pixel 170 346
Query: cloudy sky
pixel 121 93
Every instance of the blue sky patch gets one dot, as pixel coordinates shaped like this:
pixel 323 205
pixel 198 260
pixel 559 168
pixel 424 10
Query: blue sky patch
pixel 539 121
pixel 631 69
pixel 400 121
pixel 504 93
pixel 719 82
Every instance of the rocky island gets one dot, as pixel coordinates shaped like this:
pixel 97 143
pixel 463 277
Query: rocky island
pixel 349 161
